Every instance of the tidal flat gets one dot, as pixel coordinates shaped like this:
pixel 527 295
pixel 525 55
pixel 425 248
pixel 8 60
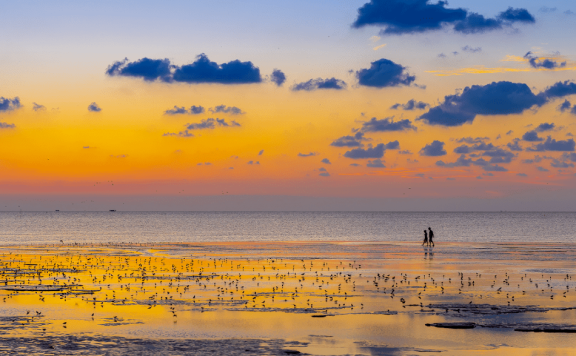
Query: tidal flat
pixel 281 298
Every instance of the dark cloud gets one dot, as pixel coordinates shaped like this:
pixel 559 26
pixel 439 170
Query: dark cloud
pixel 540 62
pixel 471 49
pixel 5 125
pixel 354 165
pixel 349 141
pixel 94 108
pixel 311 154
pixel 545 127
pixel 387 124
pixel 552 145
pixel 570 156
pixel 205 71
pixel 494 168
pixel 195 110
pixel 324 174
pixel 370 152
pixel 319 83
pixel 532 136
pixel 177 110
pixel 252 162
pixel 462 161
pixel 38 107
pixel 200 71
pixel 471 140
pixel 182 110
pixel 184 133
pixel 496 98
pixel 326 161
pixel 542 169
pixel 499 155
pixel 411 105
pixel 393 145
pixel 7 104
pixel 416 16
pixel 278 77
pixel 211 123
pixel 521 174
pixel 436 148
pixel 145 68
pixel 536 159
pixel 514 145
pixel 261 153
pixel 561 164
pixel 384 73
pixel 560 89
pixel 377 163
pixel 233 110
pixel 400 17
pixel 405 152
pixel 546 9
pixel 564 106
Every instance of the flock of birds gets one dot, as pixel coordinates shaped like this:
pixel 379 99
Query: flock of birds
pixel 104 283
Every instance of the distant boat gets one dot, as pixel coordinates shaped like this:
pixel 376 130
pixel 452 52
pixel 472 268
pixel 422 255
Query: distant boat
pixel 112 210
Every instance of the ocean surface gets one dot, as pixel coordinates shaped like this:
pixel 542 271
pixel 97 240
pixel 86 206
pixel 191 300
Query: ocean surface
pixel 143 227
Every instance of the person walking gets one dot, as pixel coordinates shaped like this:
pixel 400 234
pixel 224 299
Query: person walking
pixel 425 238
pixel 430 237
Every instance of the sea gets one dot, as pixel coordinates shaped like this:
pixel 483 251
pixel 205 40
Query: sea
pixel 21 228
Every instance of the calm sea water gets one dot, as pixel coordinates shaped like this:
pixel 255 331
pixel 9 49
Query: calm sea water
pixel 51 227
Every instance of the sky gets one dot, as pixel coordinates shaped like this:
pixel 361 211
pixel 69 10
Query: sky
pixel 269 105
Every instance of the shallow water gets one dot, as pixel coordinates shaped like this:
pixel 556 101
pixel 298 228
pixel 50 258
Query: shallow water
pixel 51 227
pixel 321 298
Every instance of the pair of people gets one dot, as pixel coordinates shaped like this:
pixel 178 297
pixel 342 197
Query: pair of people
pixel 428 238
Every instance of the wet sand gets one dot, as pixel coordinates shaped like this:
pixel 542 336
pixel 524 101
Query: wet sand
pixel 275 298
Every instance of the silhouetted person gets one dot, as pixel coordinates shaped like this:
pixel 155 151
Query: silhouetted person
pixel 425 238
pixel 430 237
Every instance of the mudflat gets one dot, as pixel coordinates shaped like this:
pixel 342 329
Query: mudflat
pixel 279 298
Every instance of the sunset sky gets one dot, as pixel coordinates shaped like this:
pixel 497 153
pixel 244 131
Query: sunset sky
pixel 233 105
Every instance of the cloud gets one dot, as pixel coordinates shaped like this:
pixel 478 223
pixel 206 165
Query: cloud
pixel 278 77
pixel 542 62
pixel 542 169
pixel 377 163
pixel 379 46
pixel 184 134
pixel 261 153
pixel 145 68
pixel 370 152
pixel 411 105
pixel 319 83
pixel 177 110
pixel 564 106
pixel 417 16
pixel 496 98
pixel 561 164
pixel 324 174
pixel 384 73
pixel 200 71
pixel 546 9
pixel 532 136
pixel 393 145
pixel 514 145
pixel 252 162
pixel 436 148
pixel 7 104
pixel 354 165
pixel 322 169
pixel 522 174
pixel 552 145
pixel 311 154
pixel 326 161
pixel 560 89
pixel 226 110
pixel 462 161
pixel 38 107
pixel 470 140
pixel 210 123
pixel 471 49
pixel 545 127
pixel 194 110
pixel 5 125
pixel 94 108
pixel 402 17
pixel 349 141
pixel 387 124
